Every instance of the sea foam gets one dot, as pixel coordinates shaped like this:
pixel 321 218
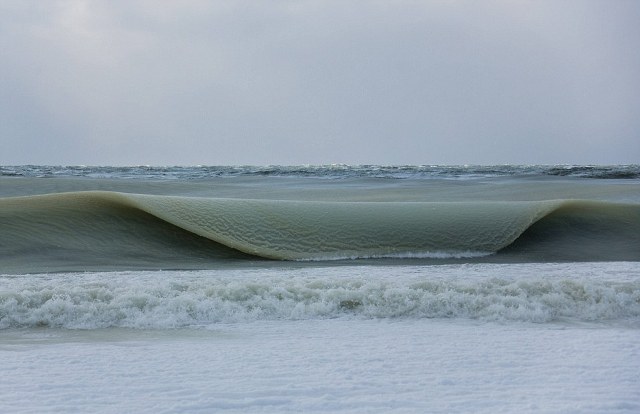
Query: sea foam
pixel 538 293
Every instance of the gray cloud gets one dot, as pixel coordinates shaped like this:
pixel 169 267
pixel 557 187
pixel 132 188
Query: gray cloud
pixel 203 82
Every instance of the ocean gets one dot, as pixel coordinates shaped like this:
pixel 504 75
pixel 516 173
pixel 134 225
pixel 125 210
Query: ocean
pixel 320 289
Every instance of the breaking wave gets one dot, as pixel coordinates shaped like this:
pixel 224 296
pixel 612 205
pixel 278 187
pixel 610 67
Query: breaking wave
pixel 94 230
pixel 158 300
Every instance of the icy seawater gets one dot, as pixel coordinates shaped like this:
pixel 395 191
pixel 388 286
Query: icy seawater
pixel 320 288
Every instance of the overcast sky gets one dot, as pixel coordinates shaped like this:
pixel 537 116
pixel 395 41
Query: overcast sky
pixel 319 82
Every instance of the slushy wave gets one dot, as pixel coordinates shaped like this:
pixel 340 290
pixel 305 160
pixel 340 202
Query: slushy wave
pixel 96 229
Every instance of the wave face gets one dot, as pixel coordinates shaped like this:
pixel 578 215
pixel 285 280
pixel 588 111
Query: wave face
pixel 110 230
pixel 538 293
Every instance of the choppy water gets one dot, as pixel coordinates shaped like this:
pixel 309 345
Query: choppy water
pixel 325 171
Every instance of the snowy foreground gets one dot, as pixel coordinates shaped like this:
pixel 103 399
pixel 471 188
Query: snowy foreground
pixel 333 365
